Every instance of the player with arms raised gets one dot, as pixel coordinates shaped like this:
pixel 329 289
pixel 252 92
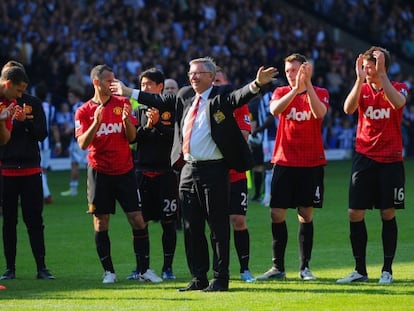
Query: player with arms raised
pixel 378 177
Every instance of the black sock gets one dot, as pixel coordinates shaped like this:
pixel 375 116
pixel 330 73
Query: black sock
pixel 258 181
pixel 103 247
pixel 37 243
pixel 359 238
pixel 242 244
pixel 305 239
pixel 141 249
pixel 280 238
pixel 169 242
pixel 40 263
pixel 389 242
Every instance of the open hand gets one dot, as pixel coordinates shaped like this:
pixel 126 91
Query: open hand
pixel 266 75
pixel 117 87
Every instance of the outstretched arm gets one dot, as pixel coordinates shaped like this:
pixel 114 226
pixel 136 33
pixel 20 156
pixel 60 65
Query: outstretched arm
pixel 263 77
pixel 117 87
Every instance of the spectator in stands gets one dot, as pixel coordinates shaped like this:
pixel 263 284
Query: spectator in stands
pixel 408 128
pixel 65 125
pixel 52 141
pixel 170 86
pixel 408 46
pixel 77 80
pixel 267 127
pixel 346 136
pixel 78 157
pixel 255 144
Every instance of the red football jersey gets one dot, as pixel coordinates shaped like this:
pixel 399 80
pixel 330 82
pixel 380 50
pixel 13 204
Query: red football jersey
pixel 241 115
pixel 299 137
pixel 109 151
pixel 4 103
pixel 379 125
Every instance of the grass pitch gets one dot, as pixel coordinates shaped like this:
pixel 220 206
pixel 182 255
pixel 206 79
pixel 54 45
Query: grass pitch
pixel 71 256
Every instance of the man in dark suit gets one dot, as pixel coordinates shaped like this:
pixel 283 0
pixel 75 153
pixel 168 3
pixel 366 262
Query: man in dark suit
pixel 215 144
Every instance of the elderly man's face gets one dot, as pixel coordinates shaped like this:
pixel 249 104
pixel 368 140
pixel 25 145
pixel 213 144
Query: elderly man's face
pixel 200 78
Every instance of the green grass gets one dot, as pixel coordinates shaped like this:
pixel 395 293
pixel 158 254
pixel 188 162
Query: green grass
pixel 71 256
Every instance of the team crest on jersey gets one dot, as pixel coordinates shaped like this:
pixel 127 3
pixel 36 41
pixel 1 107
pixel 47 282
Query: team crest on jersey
pixel 219 116
pixel 28 109
pixel 117 111
pixel 166 118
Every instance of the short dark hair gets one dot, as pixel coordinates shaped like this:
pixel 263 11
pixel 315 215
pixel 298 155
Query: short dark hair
pixel 369 56
pixel 153 74
pixel 15 74
pixel 12 63
pixel 296 57
pixel 97 71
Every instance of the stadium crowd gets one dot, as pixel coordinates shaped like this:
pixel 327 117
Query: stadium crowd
pixel 60 41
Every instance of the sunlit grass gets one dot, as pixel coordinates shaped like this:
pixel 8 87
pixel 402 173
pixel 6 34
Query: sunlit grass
pixel 71 256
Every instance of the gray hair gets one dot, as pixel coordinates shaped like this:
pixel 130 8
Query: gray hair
pixel 208 63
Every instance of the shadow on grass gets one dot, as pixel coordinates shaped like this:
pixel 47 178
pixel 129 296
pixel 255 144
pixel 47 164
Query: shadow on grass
pixel 131 290
pixel 329 286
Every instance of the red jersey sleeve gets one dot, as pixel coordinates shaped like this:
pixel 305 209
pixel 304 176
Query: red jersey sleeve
pixel 241 115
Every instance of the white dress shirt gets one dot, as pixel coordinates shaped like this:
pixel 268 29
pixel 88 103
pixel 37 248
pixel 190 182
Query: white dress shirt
pixel 202 145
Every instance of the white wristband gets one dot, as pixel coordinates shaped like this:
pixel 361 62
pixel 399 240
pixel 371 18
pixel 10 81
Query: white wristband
pixel 252 90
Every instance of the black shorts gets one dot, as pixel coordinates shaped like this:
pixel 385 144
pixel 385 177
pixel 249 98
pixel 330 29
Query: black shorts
pixel 104 190
pixel 238 197
pixel 158 196
pixel 294 187
pixel 376 185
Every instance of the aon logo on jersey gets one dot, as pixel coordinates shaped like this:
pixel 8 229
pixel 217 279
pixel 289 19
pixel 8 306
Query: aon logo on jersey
pixel 299 115
pixel 377 114
pixel 110 128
